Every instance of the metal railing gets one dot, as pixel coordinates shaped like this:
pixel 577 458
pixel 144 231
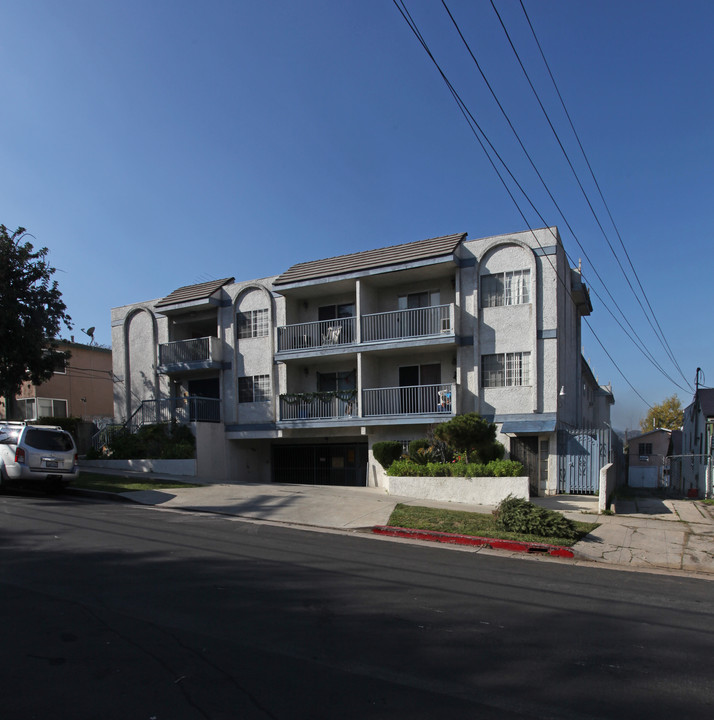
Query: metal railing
pixel 185 351
pixel 418 322
pixel 179 409
pixel 164 410
pixel 412 400
pixel 316 406
pixel 322 333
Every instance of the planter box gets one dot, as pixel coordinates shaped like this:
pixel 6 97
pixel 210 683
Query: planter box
pixel 475 491
pixel 181 468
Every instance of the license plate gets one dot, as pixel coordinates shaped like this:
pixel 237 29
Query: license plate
pixel 51 464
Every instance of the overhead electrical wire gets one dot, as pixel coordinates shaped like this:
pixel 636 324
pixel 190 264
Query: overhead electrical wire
pixel 602 197
pixel 474 126
pixel 642 346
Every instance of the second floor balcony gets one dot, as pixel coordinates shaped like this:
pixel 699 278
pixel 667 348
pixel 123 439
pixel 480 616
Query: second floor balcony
pixel 399 325
pixel 417 401
pixel 194 354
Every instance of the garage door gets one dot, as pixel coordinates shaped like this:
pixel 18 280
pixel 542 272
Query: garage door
pixel 644 477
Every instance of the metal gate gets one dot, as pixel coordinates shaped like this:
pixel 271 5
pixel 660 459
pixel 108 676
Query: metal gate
pixel 582 453
pixel 525 451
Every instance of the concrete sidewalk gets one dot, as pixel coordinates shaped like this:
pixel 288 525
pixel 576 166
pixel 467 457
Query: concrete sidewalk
pixel 644 534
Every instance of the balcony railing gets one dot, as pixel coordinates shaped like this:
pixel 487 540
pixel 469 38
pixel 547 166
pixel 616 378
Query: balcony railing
pixel 378 327
pixel 412 400
pixel 187 351
pixel 415 323
pixel 179 409
pixel 324 333
pixel 318 405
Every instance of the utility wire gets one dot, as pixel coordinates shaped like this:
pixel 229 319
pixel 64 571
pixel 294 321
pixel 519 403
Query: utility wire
pixel 597 185
pixel 643 348
pixel 473 124
pixel 648 316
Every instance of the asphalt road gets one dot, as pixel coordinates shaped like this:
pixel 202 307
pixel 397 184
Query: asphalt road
pixel 121 612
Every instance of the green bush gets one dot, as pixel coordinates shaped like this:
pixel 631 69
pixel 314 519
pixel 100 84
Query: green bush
pixel 385 453
pixel 420 451
pixel 151 442
pixel 66 423
pixel 520 516
pixel 405 467
pixel 471 436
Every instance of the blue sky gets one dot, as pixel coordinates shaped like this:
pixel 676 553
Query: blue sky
pixel 152 144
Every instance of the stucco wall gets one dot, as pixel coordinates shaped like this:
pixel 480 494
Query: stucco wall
pixel 475 491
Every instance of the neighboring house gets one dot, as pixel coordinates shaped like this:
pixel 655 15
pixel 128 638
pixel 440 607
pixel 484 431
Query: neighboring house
pixel 596 401
pixel 293 378
pixel 698 444
pixel 647 459
pixel 83 388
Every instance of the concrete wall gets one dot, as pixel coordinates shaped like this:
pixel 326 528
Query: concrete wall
pixel 475 491
pixel 608 480
pixel 179 468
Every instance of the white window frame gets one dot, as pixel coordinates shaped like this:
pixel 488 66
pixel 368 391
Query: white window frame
pixel 506 288
pixel 259 387
pixel 506 370
pixel 253 323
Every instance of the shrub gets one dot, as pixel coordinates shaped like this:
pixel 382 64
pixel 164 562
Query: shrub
pixel 520 516
pixel 385 453
pixel 470 434
pixel 168 442
pixel 405 467
pixel 420 451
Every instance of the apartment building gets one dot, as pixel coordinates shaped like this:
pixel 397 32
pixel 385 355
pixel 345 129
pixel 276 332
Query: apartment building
pixel 83 388
pixel 294 377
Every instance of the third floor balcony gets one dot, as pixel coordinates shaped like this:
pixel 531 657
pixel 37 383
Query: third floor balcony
pixel 398 326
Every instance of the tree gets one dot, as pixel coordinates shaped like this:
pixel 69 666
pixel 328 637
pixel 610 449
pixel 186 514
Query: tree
pixel 469 434
pixel 668 415
pixel 31 315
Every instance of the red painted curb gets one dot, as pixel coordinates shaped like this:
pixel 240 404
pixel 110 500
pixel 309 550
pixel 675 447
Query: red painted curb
pixel 495 543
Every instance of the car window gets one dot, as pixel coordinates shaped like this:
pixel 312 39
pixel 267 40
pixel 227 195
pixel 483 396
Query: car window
pixel 8 436
pixel 48 440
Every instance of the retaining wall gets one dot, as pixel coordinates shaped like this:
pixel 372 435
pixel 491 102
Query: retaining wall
pixel 475 491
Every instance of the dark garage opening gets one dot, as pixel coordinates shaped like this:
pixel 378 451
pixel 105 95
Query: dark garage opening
pixel 344 465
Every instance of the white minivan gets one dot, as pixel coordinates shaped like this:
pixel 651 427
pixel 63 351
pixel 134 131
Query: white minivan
pixel 43 453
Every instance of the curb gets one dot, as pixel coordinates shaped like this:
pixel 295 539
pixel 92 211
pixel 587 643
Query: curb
pixel 493 543
pixel 97 494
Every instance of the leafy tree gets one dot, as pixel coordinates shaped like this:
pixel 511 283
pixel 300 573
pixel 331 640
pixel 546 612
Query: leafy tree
pixel 470 434
pixel 31 314
pixel 668 415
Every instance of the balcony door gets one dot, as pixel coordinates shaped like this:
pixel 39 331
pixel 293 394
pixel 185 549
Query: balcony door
pixel 419 388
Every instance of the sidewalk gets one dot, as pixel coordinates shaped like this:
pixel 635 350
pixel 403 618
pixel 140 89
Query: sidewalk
pixel 644 534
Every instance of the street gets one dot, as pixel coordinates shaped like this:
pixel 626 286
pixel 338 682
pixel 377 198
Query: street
pixel 118 611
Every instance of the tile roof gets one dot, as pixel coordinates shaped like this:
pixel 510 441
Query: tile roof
pixel 382 257
pixel 190 293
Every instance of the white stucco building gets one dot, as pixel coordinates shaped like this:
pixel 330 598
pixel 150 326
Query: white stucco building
pixel 294 377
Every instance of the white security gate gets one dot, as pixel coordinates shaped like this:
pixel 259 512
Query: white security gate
pixel 643 477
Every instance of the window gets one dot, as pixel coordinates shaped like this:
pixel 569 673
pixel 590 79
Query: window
pixel 253 323
pixel 337 381
pixel 33 408
pixel 419 300
pixel 506 369
pixel 645 449
pixel 335 312
pixel 254 389
pixel 507 288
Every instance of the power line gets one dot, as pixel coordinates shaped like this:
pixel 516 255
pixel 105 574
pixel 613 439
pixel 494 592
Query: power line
pixel 474 126
pixel 642 347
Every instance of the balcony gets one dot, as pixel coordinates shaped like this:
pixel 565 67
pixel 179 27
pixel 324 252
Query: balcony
pixel 178 409
pixel 412 400
pixel 196 354
pixel 317 335
pixel 400 402
pixel 405 324
pixel 435 322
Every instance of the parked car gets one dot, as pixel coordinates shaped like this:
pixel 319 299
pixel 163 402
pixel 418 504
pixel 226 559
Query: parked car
pixel 37 453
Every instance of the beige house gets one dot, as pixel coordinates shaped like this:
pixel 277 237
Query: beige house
pixel 82 389
pixel 647 459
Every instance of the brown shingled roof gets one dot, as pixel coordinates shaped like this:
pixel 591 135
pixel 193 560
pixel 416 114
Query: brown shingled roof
pixel 190 293
pixel 382 257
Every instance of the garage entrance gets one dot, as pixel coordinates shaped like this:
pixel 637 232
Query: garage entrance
pixel 344 465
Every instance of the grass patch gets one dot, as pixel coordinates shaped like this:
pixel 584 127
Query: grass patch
pixel 468 523
pixel 708 501
pixel 121 484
